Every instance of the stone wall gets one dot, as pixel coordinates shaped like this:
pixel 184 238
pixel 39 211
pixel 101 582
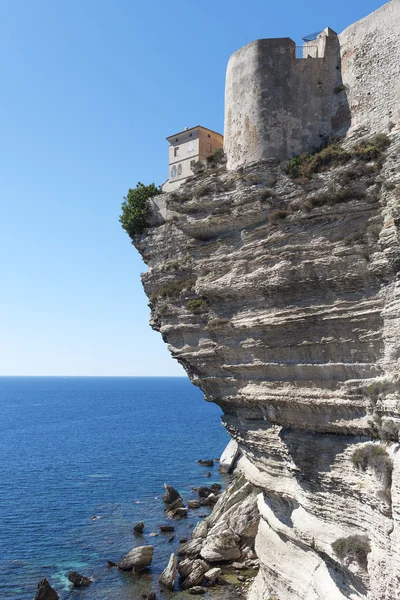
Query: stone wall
pixel 370 51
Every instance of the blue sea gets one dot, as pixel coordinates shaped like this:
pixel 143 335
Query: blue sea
pixel 82 460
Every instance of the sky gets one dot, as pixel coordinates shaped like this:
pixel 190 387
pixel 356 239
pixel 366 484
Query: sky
pixel 90 89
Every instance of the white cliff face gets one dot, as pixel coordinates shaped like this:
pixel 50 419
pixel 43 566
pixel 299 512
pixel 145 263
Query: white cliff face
pixel 281 299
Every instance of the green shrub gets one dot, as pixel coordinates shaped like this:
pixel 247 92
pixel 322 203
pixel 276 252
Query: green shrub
pixel 332 155
pixel 217 157
pixel 353 546
pixel 197 306
pixel 135 208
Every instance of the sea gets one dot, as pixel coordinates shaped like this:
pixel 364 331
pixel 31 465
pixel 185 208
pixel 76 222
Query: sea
pixel 83 459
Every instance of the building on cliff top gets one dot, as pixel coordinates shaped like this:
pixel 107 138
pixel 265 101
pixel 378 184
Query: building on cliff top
pixel 185 149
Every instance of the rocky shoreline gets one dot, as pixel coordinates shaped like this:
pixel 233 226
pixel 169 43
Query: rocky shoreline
pixel 218 559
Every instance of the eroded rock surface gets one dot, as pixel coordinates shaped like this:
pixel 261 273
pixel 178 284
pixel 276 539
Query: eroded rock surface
pixel 280 296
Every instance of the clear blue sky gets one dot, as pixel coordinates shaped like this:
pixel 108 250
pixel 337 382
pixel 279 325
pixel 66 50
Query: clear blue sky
pixel 89 91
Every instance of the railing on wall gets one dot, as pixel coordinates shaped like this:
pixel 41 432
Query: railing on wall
pixel 306 51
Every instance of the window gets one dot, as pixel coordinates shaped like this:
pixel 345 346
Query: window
pixel 190 135
pixel 192 163
pixel 209 147
pixel 179 170
pixel 190 147
pixel 173 172
pixel 176 151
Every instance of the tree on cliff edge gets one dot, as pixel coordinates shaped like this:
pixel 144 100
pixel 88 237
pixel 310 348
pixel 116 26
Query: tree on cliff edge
pixel 136 210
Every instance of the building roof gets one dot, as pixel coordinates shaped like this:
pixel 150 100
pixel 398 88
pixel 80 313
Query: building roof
pixel 191 129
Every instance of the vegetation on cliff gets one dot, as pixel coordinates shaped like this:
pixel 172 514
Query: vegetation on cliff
pixel 136 210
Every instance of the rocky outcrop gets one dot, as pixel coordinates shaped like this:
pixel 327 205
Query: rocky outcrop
pixel 168 576
pixel 277 288
pixel 45 591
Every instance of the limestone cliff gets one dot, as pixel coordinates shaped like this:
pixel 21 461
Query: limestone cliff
pixel 280 296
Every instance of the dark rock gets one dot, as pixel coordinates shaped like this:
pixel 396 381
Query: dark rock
pixel 165 528
pixel 138 528
pixel 208 474
pixel 171 494
pixel 45 591
pixel 78 580
pixel 183 540
pixel 204 491
pixel 197 590
pixel 206 463
pixel 216 487
pixel 111 563
pixel 171 539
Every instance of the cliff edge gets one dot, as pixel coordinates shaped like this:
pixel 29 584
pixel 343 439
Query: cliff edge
pixel 277 286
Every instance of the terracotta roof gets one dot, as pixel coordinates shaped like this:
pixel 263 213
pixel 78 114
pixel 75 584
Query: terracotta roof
pixel 191 129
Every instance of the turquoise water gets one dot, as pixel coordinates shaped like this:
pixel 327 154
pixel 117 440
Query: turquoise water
pixel 77 448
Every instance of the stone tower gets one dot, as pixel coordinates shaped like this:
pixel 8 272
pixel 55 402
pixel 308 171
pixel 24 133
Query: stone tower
pixel 277 105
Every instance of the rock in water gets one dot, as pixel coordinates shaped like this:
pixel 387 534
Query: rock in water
pixel 206 463
pixel 171 494
pixel 79 580
pixel 138 528
pixel 137 559
pixel 45 591
pixel 165 528
pixel 168 576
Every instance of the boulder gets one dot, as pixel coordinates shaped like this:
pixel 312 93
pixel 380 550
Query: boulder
pixel 237 565
pixel 111 563
pixel 204 491
pixel 168 576
pixel 138 528
pixel 229 457
pixel 195 576
pixel 220 546
pixel 171 494
pixel 137 559
pixel 208 474
pixel 165 528
pixel 174 505
pixel 206 463
pixel 197 590
pixel 171 539
pixel 212 575
pixel 79 580
pixel 216 487
pixel 45 591
pixel 194 504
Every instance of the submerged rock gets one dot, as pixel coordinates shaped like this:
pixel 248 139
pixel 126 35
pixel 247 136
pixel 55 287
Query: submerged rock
pixel 165 528
pixel 79 580
pixel 197 590
pixel 45 591
pixel 137 559
pixel 168 576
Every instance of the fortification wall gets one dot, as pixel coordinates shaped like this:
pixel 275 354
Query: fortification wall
pixel 277 106
pixel 370 51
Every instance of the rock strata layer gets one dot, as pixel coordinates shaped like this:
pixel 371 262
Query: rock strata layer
pixel 280 296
